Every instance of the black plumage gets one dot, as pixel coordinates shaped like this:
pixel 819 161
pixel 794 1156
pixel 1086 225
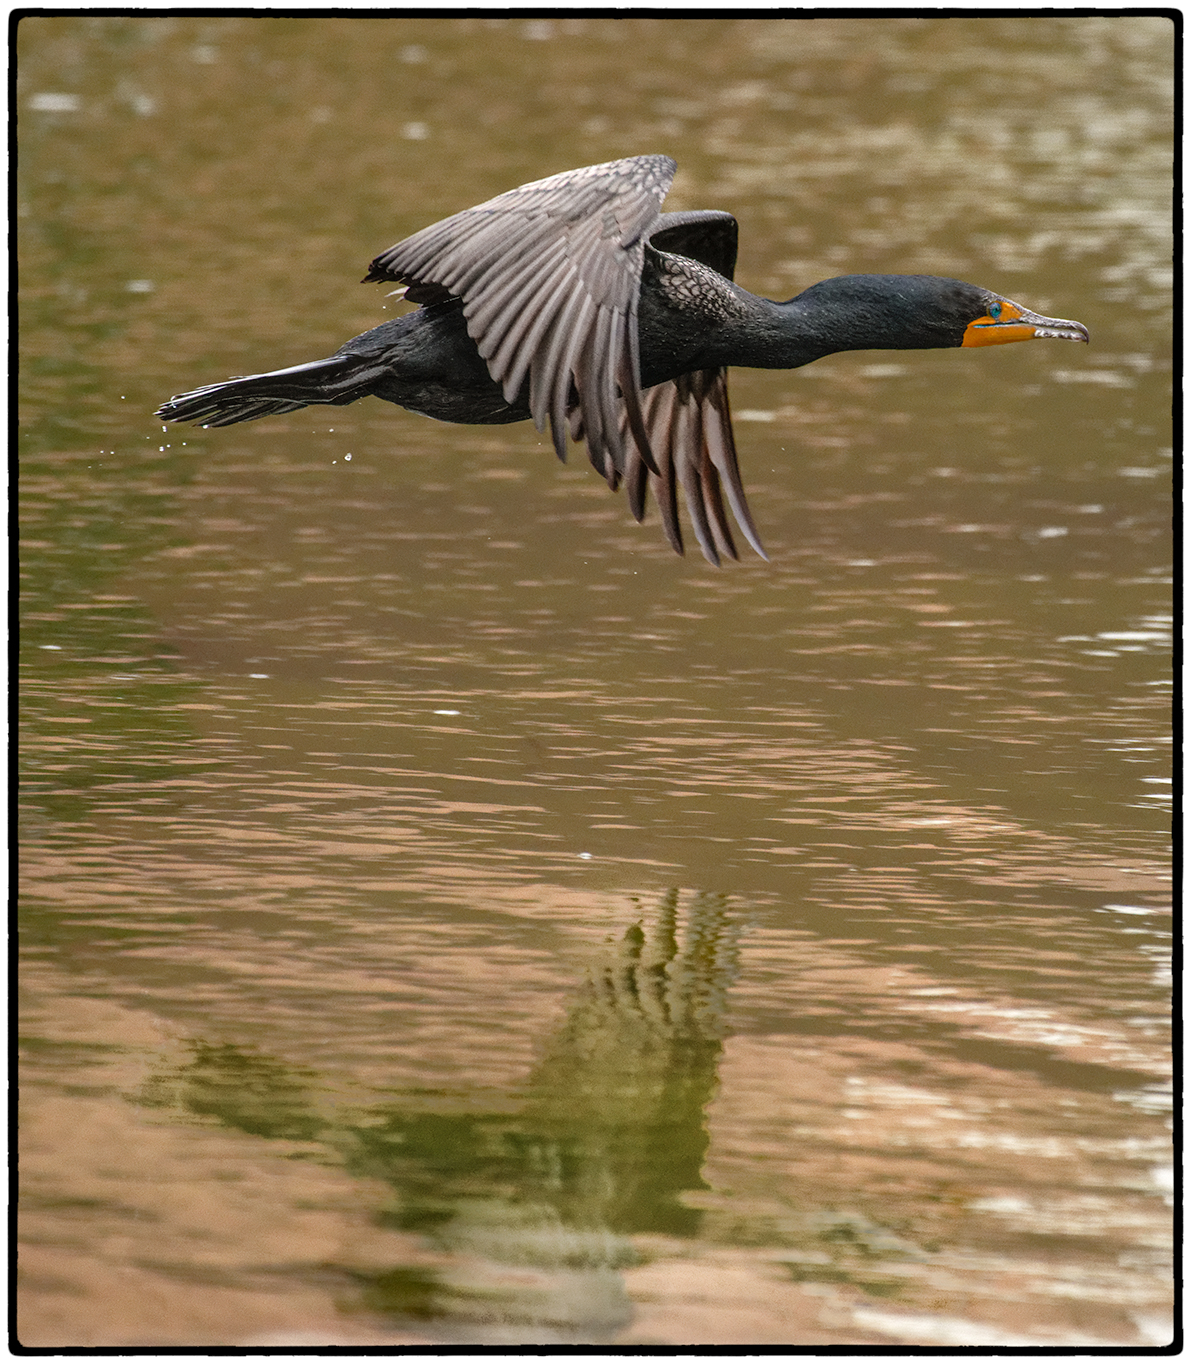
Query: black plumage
pixel 576 302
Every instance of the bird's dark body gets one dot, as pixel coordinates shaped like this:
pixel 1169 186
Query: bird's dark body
pixel 432 366
pixel 429 364
pixel 573 301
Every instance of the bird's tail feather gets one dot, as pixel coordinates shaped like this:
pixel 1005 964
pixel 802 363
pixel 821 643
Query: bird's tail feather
pixel 337 380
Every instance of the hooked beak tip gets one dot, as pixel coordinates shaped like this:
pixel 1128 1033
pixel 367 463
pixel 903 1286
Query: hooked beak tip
pixel 1061 330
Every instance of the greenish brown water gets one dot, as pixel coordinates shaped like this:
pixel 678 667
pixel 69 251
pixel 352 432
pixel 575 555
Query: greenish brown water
pixel 448 916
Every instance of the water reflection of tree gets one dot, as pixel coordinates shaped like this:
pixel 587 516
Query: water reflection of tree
pixel 621 1089
pixel 610 1133
pixel 533 1204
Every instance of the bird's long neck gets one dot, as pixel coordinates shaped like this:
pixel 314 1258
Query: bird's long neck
pixel 692 318
pixel 819 322
pixel 771 335
pixel 852 312
pixel 705 321
pixel 848 313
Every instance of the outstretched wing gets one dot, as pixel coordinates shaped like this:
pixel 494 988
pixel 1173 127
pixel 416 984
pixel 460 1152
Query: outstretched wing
pixel 690 431
pixel 549 275
pixel 688 421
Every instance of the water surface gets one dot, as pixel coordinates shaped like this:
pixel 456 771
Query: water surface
pixel 449 916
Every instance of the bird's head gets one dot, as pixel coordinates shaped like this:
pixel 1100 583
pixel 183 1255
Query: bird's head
pixel 921 312
pixel 1000 320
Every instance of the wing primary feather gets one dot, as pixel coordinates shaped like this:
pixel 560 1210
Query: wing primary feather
pixel 688 473
pixel 519 344
pixel 609 365
pixel 589 397
pixel 557 363
pixel 543 370
pixel 523 358
pixel 636 480
pixel 714 503
pixel 636 474
pixel 630 391
pixel 722 450
pixel 615 408
pixel 666 492
pixel 508 297
pixel 596 394
pixel 709 481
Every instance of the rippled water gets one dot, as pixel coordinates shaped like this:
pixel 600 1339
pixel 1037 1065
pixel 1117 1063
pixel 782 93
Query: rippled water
pixel 450 917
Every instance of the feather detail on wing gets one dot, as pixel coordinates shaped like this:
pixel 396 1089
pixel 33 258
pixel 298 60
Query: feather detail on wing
pixel 689 425
pixel 549 275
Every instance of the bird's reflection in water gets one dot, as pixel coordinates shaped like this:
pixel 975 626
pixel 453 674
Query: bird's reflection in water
pixel 621 1090
pixel 530 1208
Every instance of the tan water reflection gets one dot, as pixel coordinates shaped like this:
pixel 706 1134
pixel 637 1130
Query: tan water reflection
pixel 360 1004
pixel 600 1204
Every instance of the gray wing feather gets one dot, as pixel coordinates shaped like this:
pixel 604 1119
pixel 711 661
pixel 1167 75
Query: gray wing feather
pixel 688 420
pixel 549 275
pixel 690 432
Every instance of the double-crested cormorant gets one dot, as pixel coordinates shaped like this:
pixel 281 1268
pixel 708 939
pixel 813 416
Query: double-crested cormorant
pixel 575 300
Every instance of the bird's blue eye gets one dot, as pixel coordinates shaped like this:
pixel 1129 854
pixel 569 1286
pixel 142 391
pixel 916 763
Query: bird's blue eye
pixel 995 311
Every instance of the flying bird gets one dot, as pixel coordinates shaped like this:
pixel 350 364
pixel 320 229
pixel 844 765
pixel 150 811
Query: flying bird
pixel 575 301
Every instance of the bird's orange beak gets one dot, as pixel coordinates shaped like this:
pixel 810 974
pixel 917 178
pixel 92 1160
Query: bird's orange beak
pixel 1005 322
